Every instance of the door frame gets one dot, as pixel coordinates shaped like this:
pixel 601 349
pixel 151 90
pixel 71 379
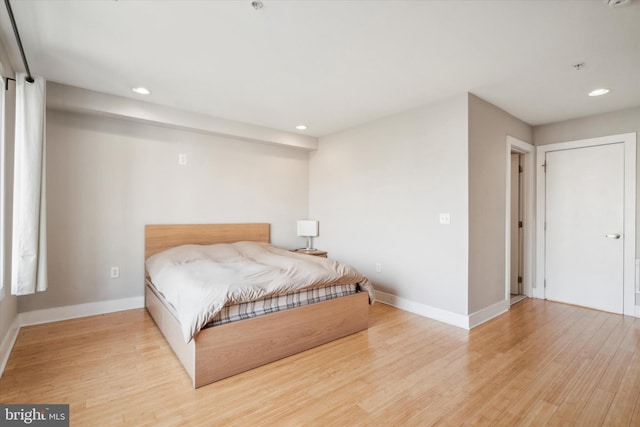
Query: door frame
pixel 528 216
pixel 629 222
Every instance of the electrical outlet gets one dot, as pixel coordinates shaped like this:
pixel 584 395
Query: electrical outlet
pixel 445 218
pixel 182 159
pixel 378 267
pixel 115 272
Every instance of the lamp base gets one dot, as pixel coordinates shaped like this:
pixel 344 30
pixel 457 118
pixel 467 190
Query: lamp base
pixel 310 244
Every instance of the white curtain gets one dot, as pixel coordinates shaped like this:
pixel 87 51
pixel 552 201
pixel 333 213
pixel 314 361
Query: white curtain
pixel 29 249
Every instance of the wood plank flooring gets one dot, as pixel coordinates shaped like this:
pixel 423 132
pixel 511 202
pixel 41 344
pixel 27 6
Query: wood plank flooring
pixel 542 363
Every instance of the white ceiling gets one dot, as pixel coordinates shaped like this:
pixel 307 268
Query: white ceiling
pixel 334 64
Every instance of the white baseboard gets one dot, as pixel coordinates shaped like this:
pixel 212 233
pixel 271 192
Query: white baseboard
pixel 460 320
pixel 455 319
pixel 8 342
pixel 488 313
pixel 80 310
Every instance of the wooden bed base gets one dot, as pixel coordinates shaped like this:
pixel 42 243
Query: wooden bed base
pixel 222 351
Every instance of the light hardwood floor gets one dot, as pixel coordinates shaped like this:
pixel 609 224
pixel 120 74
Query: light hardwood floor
pixel 542 363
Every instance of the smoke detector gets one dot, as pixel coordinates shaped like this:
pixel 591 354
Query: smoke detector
pixel 617 3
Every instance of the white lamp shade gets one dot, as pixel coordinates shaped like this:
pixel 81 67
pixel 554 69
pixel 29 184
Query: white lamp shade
pixel 307 228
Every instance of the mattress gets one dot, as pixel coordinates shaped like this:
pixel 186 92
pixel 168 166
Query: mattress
pixel 277 303
pixel 247 310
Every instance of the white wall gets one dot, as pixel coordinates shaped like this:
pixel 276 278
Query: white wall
pixel 377 191
pixel 488 130
pixel 107 177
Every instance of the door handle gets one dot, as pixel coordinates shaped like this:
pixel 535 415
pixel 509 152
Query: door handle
pixel 612 236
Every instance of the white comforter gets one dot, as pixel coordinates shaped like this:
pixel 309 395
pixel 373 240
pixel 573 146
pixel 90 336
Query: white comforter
pixel 198 280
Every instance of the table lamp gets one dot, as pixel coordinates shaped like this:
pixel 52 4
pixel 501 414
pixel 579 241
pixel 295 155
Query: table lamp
pixel 309 229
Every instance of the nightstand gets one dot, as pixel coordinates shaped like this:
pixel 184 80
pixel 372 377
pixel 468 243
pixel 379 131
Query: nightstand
pixel 314 252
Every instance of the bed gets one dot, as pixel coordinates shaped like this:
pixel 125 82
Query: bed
pixel 221 351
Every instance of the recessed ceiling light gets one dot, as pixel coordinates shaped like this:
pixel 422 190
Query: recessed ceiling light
pixel 141 90
pixel 301 127
pixel 599 92
pixel 617 3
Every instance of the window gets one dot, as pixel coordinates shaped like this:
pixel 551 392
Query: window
pixel 3 172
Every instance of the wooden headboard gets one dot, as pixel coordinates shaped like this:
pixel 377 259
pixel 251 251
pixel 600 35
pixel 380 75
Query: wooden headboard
pixel 160 237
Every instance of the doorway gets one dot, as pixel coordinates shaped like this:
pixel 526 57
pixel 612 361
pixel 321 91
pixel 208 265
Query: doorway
pixel 516 288
pixel 520 220
pixel 586 232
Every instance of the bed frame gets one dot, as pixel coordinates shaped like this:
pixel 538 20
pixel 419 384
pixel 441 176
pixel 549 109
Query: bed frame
pixel 222 351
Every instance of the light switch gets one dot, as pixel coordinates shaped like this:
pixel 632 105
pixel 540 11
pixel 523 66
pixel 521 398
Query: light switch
pixel 445 218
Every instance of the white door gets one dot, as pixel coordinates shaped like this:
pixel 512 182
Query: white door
pixel 584 262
